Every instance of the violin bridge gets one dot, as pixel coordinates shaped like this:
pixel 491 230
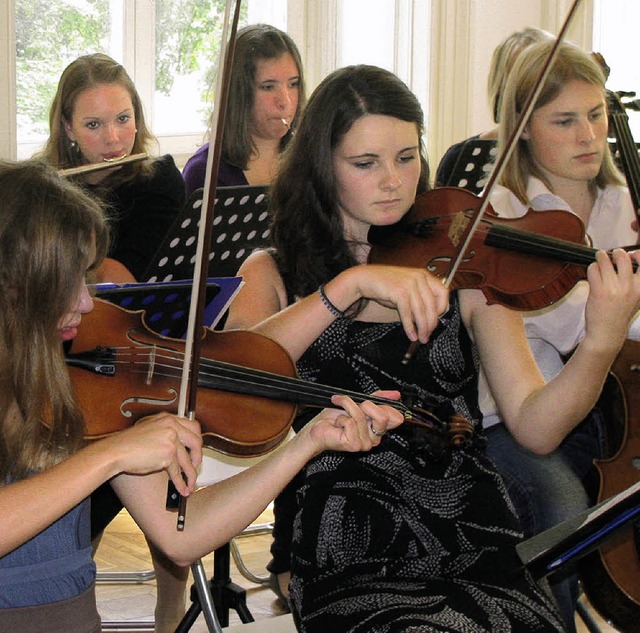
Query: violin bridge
pixel 458 227
pixel 152 364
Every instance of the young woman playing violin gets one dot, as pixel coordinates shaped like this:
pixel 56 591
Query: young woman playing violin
pixel 408 537
pixel 266 94
pixel 52 236
pixel 561 162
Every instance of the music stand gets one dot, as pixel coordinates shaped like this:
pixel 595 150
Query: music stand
pixel 473 166
pixel 166 304
pixel 240 225
pixel 565 543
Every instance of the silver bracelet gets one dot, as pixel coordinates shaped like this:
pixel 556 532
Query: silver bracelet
pixel 328 305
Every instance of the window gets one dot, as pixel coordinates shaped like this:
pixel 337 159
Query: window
pixel 170 49
pixel 615 23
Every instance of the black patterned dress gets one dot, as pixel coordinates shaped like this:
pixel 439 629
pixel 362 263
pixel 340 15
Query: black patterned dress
pixel 408 538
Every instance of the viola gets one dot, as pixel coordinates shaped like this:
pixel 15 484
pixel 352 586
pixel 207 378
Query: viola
pixel 611 574
pixel 524 263
pixel 248 391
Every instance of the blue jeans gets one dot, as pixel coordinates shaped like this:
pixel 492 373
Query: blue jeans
pixel 546 490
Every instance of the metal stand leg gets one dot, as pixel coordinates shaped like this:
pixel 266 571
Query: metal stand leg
pixel 585 615
pixel 220 594
pixel 261 528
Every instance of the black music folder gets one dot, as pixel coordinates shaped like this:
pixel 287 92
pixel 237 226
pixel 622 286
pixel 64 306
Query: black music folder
pixel 166 305
pixel 570 540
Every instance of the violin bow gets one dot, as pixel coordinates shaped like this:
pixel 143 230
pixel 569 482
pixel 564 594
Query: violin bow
pixel 189 382
pixel 496 174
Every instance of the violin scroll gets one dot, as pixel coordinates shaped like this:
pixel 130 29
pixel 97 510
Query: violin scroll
pixel 460 431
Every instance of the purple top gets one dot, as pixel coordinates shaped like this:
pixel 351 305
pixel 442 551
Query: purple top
pixel 195 169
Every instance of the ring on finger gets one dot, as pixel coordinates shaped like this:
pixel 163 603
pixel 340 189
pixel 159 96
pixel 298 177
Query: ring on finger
pixel 373 430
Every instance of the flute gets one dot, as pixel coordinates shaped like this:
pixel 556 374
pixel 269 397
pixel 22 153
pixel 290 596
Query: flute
pixel 85 169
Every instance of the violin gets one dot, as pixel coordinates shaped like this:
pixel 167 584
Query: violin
pixel 524 263
pixel 248 391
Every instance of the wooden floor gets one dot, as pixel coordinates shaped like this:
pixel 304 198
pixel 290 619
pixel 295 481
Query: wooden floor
pixel 123 548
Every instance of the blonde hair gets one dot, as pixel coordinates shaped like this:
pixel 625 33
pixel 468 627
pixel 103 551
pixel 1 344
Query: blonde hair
pixel 571 63
pixel 503 59
pixel 49 229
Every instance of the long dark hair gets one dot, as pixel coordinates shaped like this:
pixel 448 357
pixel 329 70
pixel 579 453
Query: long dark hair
pixel 254 43
pixel 48 229
pixel 307 229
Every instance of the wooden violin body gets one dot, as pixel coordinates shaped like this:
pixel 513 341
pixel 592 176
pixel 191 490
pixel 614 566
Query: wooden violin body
pixel 248 391
pixel 611 574
pixel 146 380
pixel 524 263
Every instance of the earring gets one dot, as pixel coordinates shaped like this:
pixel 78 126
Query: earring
pixel 73 145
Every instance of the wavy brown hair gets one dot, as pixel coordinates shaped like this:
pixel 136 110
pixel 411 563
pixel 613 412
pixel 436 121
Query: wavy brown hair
pixel 48 231
pixel 82 74
pixel 307 228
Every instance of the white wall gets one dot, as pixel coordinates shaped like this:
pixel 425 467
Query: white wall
pixel 464 35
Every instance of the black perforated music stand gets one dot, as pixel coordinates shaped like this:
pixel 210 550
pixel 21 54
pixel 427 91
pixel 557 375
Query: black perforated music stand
pixel 240 225
pixel 567 542
pixel 474 164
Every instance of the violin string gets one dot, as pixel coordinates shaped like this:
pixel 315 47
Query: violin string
pixel 167 363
